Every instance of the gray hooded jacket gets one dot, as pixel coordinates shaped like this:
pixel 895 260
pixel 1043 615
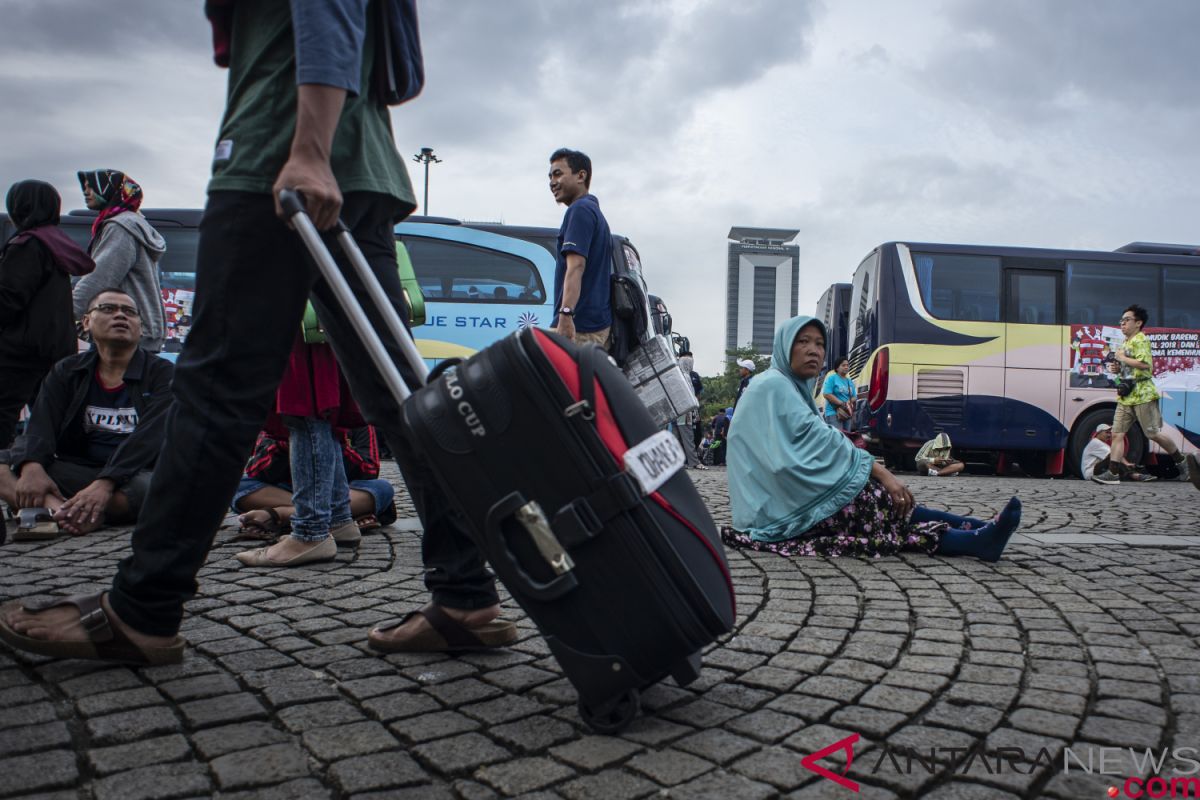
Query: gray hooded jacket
pixel 126 255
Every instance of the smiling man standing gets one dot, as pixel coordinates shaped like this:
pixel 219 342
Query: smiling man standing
pixel 582 306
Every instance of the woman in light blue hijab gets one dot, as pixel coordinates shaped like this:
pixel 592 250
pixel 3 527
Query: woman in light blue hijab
pixel 800 487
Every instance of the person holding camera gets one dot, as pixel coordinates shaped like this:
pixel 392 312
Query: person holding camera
pixel 1137 398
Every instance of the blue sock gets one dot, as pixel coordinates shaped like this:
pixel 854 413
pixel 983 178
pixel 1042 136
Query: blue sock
pixel 986 543
pixel 923 514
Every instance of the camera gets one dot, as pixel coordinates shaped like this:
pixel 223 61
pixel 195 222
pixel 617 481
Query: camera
pixel 1124 387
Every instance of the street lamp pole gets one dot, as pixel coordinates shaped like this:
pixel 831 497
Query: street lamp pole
pixel 426 157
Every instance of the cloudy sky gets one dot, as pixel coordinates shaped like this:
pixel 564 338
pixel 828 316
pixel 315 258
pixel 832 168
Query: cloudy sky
pixel 1066 123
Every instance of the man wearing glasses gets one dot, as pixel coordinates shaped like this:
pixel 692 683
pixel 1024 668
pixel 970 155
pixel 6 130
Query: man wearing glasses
pixel 1137 398
pixel 94 432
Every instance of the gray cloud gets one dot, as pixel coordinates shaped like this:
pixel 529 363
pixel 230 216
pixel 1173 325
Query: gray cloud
pixel 1043 61
pixel 101 30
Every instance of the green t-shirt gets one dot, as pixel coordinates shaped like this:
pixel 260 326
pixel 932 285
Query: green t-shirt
pixel 260 113
pixel 1144 391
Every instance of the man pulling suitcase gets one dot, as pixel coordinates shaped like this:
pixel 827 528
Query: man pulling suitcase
pixel 253 280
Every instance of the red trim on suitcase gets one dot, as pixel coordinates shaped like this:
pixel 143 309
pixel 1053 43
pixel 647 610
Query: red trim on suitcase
pixel 610 433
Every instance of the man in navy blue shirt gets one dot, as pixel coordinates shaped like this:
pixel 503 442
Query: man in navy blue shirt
pixel 582 310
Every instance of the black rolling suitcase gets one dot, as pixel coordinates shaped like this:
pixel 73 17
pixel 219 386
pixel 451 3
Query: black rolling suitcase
pixel 579 503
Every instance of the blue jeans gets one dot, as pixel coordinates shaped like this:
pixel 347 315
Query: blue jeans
pixel 380 490
pixel 319 489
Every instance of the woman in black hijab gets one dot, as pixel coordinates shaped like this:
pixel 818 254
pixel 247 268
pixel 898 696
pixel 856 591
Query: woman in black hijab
pixel 37 327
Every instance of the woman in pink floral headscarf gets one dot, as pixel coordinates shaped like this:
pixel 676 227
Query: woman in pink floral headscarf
pixel 126 249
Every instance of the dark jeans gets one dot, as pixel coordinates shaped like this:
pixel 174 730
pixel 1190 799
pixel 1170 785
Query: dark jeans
pixel 19 385
pixel 253 278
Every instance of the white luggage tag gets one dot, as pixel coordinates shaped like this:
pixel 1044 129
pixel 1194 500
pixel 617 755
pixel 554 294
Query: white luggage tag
pixel 654 460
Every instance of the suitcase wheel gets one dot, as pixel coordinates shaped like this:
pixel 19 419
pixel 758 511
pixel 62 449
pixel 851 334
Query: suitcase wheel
pixel 613 716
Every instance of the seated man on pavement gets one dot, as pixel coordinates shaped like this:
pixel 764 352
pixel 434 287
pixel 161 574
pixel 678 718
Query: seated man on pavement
pixel 935 459
pixel 265 493
pixel 94 432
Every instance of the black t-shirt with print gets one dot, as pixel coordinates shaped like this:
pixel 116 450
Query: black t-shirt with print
pixel 108 418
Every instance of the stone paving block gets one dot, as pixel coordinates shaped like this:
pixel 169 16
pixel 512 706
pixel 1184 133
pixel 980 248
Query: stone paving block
pixel 1058 702
pixel 32 738
pixel 343 741
pixel 130 726
pixel 363 688
pixel 34 714
pixel 399 706
pixel 808 708
pixel 469 690
pixel 255 660
pixel 460 753
pixel 433 725
pixel 716 745
pixel 765 725
pixel 972 719
pixel 214 742
pixel 700 713
pixel 505 708
pixel 212 711
pixel 110 680
pixel 771 678
pixel 776 766
pixel 290 693
pixel 261 766
pixel 299 789
pixel 864 671
pixel 1048 723
pixel 959 790
pixel 1131 710
pixel 45 770
pixel 737 696
pixel 722 784
pixel 535 734
pixel 595 752
pixel 319 657
pixel 1120 732
pixel 157 782
pixel 669 767
pixel 894 698
pixel 828 790
pixel 874 722
pixel 611 784
pixel 124 700
pixel 106 760
pixel 523 775
pixel 318 715
pixel 1130 690
pixel 22 695
pixel 378 772
pixel 840 689
pixel 519 677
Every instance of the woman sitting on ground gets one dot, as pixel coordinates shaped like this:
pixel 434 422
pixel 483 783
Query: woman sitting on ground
pixel 799 487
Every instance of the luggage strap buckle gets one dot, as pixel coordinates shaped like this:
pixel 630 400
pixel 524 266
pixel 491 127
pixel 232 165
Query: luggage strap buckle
pixel 582 408
pixel 584 517
pixel 535 523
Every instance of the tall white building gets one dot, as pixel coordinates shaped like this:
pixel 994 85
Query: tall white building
pixel 763 285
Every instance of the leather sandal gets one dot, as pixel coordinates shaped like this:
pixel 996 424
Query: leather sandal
pixel 105 641
pixel 35 525
pixel 268 531
pixel 448 635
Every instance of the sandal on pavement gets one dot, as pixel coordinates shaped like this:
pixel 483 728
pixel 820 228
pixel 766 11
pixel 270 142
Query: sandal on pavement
pixel 35 525
pixel 325 551
pixel 105 642
pixel 267 530
pixel 448 635
pixel 367 522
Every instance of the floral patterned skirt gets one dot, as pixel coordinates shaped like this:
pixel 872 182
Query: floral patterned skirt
pixel 867 526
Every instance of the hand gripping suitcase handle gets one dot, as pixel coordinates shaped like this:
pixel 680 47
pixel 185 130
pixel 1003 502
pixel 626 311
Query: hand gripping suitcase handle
pixel 293 206
pixel 533 520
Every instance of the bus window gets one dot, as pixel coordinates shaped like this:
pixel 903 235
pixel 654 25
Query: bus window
pixel 1098 293
pixel 1033 297
pixel 1181 303
pixel 177 269
pixel 461 273
pixel 956 287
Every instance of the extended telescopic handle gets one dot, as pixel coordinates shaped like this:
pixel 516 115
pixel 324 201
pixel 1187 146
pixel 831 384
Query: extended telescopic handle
pixel 293 206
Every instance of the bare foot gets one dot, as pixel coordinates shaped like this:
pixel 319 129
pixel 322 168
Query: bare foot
pixel 61 624
pixel 418 624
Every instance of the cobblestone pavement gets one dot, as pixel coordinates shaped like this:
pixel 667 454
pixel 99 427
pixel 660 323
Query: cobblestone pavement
pixel 1079 639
